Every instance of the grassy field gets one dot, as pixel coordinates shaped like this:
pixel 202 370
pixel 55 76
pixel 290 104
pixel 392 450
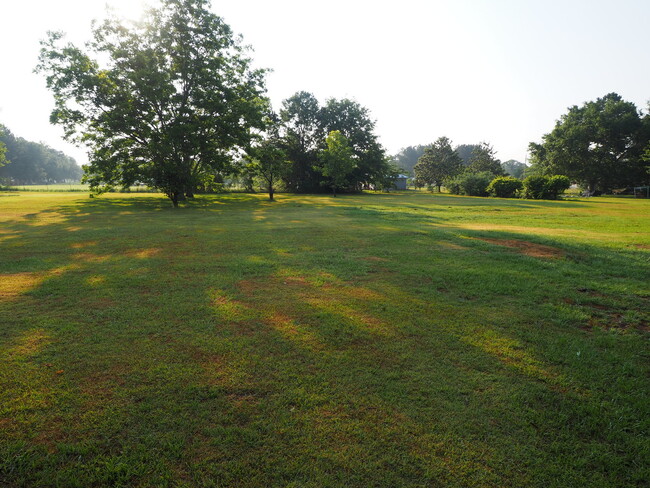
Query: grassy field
pixel 371 340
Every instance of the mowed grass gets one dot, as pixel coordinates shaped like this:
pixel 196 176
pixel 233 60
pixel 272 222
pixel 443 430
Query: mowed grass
pixel 370 340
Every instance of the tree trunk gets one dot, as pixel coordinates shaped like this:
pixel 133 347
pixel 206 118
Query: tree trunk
pixel 334 191
pixel 174 198
pixel 439 186
pixel 271 193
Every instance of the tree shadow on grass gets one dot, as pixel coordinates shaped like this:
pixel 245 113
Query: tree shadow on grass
pixel 271 344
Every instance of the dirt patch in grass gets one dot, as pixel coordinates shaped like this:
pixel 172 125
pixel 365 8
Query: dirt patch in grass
pixel 642 246
pixel 528 248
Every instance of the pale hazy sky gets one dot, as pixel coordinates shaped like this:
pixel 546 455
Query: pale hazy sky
pixel 500 71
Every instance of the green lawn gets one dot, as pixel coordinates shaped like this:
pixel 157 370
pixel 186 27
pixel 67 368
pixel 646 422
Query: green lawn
pixel 371 340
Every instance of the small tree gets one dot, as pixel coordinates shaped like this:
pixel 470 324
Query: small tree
pixel 504 187
pixel 337 161
pixel 438 163
pixel 268 161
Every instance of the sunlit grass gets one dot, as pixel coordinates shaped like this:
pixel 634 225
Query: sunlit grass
pixel 369 340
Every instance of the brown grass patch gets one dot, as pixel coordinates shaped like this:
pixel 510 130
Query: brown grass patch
pixel 528 248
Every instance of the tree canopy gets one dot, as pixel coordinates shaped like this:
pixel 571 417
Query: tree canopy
pixel 164 101
pixel 337 161
pixel 484 159
pixel 304 129
pixel 599 145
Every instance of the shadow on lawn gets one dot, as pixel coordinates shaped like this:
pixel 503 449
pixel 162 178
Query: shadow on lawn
pixel 240 338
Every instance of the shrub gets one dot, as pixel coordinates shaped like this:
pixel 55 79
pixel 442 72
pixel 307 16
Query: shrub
pixel 504 187
pixel 545 187
pixel 471 184
pixel 556 185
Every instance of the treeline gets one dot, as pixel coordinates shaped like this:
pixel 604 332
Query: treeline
pixel 409 156
pixel 27 163
pixel 602 146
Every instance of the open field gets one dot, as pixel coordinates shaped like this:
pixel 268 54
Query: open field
pixel 371 340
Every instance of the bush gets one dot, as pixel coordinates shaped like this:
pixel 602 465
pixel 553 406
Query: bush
pixel 545 187
pixel 504 187
pixel 557 184
pixel 471 184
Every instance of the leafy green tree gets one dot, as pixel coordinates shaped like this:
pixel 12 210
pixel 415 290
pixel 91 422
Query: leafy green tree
pixel 173 102
pixel 438 163
pixel 484 159
pixel 598 145
pixel 354 122
pixel 3 154
pixel 268 161
pixel 301 130
pixel 504 187
pixel 514 168
pixel 337 161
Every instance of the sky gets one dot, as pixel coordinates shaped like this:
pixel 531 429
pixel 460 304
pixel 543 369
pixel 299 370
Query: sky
pixel 499 71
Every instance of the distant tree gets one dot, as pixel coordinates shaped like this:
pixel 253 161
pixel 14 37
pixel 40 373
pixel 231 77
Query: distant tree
pixel 465 152
pixel 438 163
pixel 175 101
pixel 484 159
pixel 599 145
pixel 268 161
pixel 514 168
pixel 336 161
pixel 29 162
pixel 301 130
pixel 408 157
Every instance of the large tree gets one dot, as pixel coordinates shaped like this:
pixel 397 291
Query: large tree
pixel 302 132
pixel 599 145
pixel 164 101
pixel 354 122
pixel 438 163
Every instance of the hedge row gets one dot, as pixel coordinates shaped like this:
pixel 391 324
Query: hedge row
pixel 485 184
